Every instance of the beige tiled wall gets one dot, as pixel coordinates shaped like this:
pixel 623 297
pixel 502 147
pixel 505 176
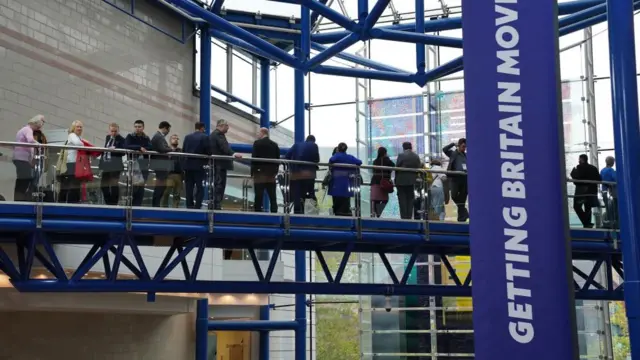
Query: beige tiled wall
pixel 83 336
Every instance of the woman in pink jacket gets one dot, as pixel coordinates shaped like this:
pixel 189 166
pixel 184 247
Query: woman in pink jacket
pixel 23 159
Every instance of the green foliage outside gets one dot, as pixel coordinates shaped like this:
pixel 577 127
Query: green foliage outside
pixel 337 325
pixel 619 331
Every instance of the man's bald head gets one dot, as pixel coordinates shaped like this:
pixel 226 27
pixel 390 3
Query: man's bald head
pixel 263 132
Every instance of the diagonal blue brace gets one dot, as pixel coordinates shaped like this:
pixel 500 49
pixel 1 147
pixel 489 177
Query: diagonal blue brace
pixel 217 6
pixel 356 59
pixel 374 15
pixel 411 37
pixel 441 71
pixel 326 12
pixel 365 74
pixel 332 51
pixel 219 23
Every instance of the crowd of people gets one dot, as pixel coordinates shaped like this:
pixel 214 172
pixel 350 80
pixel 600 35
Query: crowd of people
pixel 175 175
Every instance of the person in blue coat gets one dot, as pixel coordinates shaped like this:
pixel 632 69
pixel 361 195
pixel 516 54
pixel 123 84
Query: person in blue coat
pixel 342 180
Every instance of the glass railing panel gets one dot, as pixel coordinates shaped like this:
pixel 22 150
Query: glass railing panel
pixel 110 177
pixel 17 176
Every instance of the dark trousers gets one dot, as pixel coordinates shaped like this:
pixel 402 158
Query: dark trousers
pixel 159 187
pixel 406 197
pixel 138 191
pixel 300 191
pixel 194 188
pixel 70 187
pixel 219 187
pixel 582 205
pixel 459 193
pixel 259 189
pixel 24 180
pixel 378 207
pixel 341 205
pixel 110 187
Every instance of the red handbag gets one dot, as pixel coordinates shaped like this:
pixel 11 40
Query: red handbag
pixel 83 167
pixel 386 185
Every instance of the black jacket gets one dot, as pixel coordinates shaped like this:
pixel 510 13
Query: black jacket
pixel 378 175
pixel 265 148
pixel 113 161
pixel 220 146
pixel 195 143
pixel 159 144
pixel 585 172
pixel 135 142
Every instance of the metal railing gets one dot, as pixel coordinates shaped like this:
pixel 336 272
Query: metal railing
pixel 351 179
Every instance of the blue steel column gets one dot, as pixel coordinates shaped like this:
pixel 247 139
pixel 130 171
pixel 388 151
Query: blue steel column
pixel 202 330
pixel 421 56
pixel 265 105
pixel 264 335
pixel 624 94
pixel 303 48
pixel 205 78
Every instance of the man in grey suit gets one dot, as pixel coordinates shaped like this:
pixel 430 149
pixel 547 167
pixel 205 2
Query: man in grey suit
pixel 406 180
pixel 160 164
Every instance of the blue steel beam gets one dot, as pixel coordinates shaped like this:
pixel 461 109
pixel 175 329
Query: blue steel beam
pixel 360 60
pixel 217 6
pixel 315 16
pixel 581 25
pixel 220 24
pixel 264 335
pixel 374 15
pixel 410 37
pixel 441 71
pixel 202 333
pixel 626 123
pixel 326 12
pixel 365 74
pixel 430 26
pixel 583 15
pixel 257 287
pixel 205 78
pixel 255 325
pixel 332 51
pixel 265 92
pixel 453 23
pixel 363 10
pixel 421 55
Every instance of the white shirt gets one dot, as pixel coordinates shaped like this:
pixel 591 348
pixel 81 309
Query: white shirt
pixel 73 140
pixel 438 178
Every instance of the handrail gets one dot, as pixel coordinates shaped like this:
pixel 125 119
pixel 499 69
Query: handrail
pixel 276 161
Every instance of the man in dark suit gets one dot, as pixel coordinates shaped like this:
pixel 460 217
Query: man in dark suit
pixel 194 171
pixel 220 146
pixel 111 166
pixel 264 173
pixel 406 180
pixel 459 186
pixel 160 164
pixel 303 177
pixel 585 196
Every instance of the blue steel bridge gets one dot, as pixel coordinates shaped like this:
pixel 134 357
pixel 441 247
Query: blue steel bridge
pixel 30 232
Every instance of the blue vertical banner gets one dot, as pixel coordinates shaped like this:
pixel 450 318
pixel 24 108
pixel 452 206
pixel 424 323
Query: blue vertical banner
pixel 520 251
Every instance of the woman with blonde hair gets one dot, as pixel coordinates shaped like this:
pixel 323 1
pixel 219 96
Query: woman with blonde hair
pixel 70 187
pixel 23 158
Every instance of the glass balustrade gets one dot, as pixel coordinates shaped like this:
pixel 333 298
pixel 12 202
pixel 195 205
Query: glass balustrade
pixel 117 177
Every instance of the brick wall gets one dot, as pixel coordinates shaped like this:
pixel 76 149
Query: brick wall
pixel 78 336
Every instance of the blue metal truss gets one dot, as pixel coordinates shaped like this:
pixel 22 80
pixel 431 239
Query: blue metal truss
pixel 105 229
pixel 581 14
